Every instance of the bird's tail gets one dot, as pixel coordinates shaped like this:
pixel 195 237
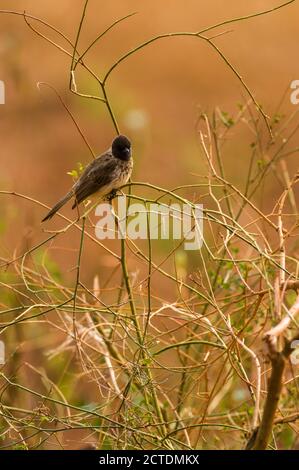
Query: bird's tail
pixel 57 206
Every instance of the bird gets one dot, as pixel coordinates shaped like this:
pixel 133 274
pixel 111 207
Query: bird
pixel 103 176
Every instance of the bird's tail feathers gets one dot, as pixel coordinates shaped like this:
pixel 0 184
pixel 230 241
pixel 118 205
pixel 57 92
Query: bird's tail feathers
pixel 57 206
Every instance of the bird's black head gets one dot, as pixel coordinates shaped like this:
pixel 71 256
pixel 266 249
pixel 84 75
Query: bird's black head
pixel 121 148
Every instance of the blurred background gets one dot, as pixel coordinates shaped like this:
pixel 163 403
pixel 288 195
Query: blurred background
pixel 157 96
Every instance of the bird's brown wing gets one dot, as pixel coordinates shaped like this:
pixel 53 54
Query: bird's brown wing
pixel 98 174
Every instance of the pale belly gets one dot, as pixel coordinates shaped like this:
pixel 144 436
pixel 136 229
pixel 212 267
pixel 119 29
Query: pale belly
pixel 116 184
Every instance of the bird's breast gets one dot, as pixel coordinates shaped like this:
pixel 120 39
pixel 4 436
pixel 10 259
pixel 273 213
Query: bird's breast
pixel 124 173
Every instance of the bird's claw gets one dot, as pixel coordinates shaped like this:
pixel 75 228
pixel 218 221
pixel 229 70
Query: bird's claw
pixel 113 194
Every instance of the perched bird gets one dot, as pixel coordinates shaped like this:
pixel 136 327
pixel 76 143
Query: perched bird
pixel 102 176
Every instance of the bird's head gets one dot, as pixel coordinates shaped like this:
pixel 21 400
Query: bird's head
pixel 121 148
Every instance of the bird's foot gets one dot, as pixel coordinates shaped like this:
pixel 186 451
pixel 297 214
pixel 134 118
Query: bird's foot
pixel 112 195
